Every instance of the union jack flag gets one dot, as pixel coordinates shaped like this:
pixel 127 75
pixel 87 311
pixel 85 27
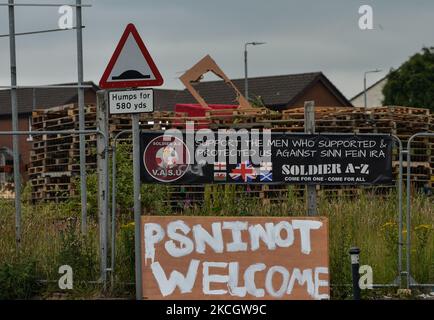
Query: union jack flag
pixel 244 171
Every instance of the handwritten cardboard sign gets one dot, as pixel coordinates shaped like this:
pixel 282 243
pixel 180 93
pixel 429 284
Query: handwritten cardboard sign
pixel 235 258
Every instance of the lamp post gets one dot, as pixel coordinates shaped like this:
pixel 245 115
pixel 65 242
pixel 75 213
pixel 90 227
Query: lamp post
pixel 246 84
pixel 364 85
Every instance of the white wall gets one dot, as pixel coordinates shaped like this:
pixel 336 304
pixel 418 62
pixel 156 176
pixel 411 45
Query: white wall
pixel 374 96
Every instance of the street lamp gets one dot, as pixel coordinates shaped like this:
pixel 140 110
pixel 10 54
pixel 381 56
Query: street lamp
pixel 246 84
pixel 364 85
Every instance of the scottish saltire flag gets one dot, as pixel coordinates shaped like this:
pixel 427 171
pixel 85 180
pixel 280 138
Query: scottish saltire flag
pixel 244 172
pixel 266 176
pixel 266 172
pixel 219 176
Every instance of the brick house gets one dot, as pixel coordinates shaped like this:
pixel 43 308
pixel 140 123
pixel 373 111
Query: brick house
pixel 276 92
pixel 29 100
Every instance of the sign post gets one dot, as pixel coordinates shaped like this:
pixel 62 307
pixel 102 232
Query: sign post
pixel 309 127
pixel 137 204
pixel 132 66
pixel 102 165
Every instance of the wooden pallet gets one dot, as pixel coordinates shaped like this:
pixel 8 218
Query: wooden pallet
pixel 57 157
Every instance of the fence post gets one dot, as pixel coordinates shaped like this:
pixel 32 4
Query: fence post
pixel 355 265
pixel 102 125
pixel 137 204
pixel 309 128
pixel 15 139
pixel 81 119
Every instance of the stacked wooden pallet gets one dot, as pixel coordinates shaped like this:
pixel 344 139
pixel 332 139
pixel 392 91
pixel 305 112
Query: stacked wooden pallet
pixel 55 159
pixel 7 191
pixel 400 121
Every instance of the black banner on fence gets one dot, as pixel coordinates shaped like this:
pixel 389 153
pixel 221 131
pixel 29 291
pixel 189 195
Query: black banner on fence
pixel 261 157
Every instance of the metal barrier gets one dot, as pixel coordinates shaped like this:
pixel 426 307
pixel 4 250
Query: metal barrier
pixel 113 217
pixel 103 231
pixel 410 281
pixel 396 283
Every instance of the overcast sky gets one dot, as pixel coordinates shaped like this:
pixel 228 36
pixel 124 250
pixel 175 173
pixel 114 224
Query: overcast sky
pixel 301 35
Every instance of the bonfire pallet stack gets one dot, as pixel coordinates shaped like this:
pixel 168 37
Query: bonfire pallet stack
pixel 55 159
pixel 402 122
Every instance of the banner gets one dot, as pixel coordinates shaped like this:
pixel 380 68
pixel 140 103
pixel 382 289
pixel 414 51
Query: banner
pixel 228 258
pixel 261 157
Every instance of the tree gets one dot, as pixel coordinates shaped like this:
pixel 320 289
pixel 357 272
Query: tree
pixel 412 85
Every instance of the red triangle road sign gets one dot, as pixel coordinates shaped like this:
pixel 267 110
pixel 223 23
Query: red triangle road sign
pixel 131 64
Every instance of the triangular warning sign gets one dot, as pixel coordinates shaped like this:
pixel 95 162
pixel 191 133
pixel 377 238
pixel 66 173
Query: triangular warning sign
pixel 131 64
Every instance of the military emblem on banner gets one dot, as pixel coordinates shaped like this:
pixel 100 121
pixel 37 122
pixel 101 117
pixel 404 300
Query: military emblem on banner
pixel 244 172
pixel 266 172
pixel 220 171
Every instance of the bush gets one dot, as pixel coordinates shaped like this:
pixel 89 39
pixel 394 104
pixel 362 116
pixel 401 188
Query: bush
pixel 79 252
pixel 126 258
pixel 18 280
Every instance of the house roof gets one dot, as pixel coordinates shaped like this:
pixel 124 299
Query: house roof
pixel 166 99
pixel 40 97
pixel 281 90
pixel 275 91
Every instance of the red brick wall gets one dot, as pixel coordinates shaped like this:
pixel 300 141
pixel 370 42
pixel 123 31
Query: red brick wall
pixel 6 141
pixel 321 95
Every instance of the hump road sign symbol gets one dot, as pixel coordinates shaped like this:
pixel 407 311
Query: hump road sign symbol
pixel 131 64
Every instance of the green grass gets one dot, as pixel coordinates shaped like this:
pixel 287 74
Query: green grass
pixel 51 237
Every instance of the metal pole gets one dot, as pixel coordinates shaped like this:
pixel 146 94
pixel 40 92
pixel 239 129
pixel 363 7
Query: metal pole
pixel 246 81
pixel 81 124
pixel 61 132
pixel 365 94
pixel 309 127
pixel 113 233
pixel 411 281
pixel 355 265
pixel 47 87
pixel 15 139
pixel 408 221
pixel 400 212
pixel 137 204
pixel 364 91
pixel 45 5
pixel 37 32
pixel 102 159
pixel 114 190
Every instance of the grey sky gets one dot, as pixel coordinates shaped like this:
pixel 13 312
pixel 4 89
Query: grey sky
pixel 301 36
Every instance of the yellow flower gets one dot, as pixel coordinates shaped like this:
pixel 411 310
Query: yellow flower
pixel 388 224
pixel 128 225
pixel 423 226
